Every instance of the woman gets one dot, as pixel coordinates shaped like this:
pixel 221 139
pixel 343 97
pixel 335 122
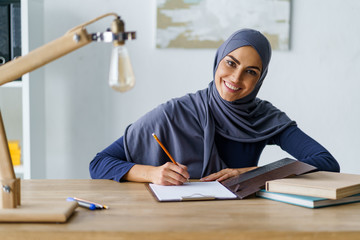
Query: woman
pixel 215 133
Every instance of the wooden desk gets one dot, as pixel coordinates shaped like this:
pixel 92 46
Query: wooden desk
pixel 134 214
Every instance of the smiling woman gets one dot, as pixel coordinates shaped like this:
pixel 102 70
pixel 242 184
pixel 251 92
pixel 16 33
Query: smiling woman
pixel 215 133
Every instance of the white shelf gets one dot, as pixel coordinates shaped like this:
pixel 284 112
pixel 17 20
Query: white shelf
pixel 32 12
pixel 13 84
pixel 19 169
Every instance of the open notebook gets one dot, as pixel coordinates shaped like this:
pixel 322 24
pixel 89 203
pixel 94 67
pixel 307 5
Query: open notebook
pixel 191 191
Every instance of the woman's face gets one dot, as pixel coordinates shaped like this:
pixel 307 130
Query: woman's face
pixel 238 73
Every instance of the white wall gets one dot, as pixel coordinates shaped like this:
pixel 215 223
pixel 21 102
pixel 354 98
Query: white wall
pixel 315 82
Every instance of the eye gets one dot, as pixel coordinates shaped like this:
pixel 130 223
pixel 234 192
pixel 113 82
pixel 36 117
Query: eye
pixel 252 72
pixel 230 63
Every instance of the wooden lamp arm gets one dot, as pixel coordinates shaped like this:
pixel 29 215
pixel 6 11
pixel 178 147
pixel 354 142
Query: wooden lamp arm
pixel 75 38
pixel 43 55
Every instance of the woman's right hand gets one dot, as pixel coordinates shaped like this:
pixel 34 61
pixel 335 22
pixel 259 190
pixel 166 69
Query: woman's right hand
pixel 169 174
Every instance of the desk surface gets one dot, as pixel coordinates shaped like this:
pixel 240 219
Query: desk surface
pixel 134 214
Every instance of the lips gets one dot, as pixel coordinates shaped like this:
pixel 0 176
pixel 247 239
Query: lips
pixel 231 86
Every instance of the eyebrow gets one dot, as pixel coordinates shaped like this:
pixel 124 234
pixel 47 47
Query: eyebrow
pixel 235 60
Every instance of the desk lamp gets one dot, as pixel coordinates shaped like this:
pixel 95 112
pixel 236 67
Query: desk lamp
pixel 121 78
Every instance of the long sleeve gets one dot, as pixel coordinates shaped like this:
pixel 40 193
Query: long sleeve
pixel 305 149
pixel 110 163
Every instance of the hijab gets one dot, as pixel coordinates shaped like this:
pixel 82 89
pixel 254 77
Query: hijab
pixel 187 125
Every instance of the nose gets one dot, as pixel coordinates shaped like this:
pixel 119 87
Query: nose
pixel 237 75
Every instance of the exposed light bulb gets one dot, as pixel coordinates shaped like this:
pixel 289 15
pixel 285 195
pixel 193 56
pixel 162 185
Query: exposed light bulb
pixel 121 77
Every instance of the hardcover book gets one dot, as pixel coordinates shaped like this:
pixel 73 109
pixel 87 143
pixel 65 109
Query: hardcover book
pixel 307 201
pixel 318 184
pixel 249 183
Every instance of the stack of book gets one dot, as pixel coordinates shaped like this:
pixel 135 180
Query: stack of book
pixel 15 152
pixel 314 190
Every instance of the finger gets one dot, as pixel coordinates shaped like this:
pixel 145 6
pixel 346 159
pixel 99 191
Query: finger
pixel 169 183
pixel 180 169
pixel 184 172
pixel 182 166
pixel 224 177
pixel 175 178
pixel 174 174
pixel 168 177
pixel 218 175
pixel 211 177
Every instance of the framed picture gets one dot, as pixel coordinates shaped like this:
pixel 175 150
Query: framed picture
pixel 208 23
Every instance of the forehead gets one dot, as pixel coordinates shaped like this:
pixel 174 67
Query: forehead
pixel 247 55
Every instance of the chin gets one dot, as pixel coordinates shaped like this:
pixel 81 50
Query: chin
pixel 232 98
pixel 228 98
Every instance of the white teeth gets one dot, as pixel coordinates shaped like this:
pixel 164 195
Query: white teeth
pixel 231 87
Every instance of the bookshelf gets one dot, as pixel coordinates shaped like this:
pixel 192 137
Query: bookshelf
pixel 22 102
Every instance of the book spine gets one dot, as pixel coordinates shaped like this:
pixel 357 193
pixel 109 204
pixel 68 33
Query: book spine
pixel 4 34
pixel 15 30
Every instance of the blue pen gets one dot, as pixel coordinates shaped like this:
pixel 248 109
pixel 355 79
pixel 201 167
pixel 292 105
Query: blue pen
pixel 83 204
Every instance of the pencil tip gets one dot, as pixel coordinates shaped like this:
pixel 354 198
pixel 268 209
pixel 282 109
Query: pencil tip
pixel 154 135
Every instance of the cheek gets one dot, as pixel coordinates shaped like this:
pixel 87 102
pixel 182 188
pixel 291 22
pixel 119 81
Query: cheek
pixel 221 72
pixel 251 83
pixel 217 83
pixel 217 78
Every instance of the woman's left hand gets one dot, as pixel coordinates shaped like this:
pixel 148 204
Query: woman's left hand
pixel 226 173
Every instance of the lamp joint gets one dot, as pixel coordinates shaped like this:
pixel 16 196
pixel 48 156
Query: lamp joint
pixel 6 188
pixel 76 38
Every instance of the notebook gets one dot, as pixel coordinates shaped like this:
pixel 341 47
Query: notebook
pixel 191 191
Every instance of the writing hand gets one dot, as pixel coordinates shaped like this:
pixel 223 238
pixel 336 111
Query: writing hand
pixel 226 173
pixel 170 174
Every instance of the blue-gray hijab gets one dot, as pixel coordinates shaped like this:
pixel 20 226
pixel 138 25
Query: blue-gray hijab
pixel 187 125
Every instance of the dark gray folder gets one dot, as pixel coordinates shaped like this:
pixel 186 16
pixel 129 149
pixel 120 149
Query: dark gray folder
pixel 250 182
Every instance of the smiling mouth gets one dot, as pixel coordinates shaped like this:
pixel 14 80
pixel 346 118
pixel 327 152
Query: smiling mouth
pixel 231 87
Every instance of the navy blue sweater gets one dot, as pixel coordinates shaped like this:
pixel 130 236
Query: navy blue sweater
pixel 111 163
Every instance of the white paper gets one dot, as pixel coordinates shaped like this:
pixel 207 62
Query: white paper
pixel 192 190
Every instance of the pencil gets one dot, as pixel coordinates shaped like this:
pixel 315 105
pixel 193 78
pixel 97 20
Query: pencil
pixel 166 151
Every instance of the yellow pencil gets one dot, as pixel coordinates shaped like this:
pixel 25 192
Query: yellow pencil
pixel 166 151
